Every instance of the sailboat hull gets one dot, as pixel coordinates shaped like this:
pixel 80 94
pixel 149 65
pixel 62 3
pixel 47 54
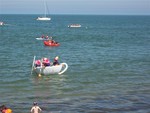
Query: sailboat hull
pixel 43 18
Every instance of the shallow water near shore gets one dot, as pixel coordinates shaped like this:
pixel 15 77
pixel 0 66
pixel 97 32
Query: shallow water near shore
pixel 108 59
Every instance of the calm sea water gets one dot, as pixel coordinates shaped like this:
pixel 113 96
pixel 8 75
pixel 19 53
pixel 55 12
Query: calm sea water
pixel 108 58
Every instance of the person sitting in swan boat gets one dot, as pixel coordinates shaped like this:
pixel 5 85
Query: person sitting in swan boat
pixel 46 62
pixel 37 63
pixel 56 61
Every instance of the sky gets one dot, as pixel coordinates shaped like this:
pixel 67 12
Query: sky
pixel 95 7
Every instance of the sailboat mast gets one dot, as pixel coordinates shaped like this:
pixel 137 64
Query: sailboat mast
pixel 45 8
pixel 45 12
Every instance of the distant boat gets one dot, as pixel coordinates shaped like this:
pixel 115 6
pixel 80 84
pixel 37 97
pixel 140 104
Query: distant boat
pixel 40 38
pixel 44 18
pixel 74 25
pixel 1 23
pixel 44 38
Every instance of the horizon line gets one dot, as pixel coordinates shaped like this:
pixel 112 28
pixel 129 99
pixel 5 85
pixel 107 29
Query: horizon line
pixel 78 14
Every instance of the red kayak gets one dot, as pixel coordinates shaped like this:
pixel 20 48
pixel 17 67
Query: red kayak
pixel 51 43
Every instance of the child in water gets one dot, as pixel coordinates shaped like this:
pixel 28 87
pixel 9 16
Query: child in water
pixel 36 108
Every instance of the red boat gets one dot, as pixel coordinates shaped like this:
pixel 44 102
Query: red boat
pixel 51 43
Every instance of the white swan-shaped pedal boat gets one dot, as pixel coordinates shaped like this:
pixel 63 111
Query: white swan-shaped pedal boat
pixel 49 70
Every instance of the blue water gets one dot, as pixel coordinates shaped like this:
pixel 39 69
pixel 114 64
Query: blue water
pixel 108 58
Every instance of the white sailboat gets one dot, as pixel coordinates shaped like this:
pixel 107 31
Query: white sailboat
pixel 44 17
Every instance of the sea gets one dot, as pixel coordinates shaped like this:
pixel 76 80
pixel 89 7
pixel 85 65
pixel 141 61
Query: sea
pixel 108 61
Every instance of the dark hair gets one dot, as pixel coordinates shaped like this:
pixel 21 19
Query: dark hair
pixel 2 107
pixel 34 103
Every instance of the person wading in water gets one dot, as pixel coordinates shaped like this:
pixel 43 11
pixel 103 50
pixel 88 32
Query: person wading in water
pixel 36 108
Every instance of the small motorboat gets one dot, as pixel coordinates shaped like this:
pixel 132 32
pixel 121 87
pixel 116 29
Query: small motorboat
pixel 49 70
pixel 74 25
pixel 51 43
pixel 1 23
